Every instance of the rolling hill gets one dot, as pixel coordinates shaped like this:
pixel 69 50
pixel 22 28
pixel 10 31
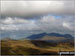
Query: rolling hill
pixel 34 47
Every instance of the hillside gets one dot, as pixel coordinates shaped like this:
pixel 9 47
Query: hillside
pixel 34 47
pixel 38 44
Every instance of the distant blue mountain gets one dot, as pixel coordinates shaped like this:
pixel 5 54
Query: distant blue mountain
pixel 37 36
pixel 41 35
pixel 60 35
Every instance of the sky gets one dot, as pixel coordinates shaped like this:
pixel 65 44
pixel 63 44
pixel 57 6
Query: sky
pixel 23 18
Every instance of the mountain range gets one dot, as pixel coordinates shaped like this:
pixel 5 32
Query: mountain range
pixel 51 36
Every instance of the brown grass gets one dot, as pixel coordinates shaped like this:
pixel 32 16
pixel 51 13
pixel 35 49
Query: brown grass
pixel 26 47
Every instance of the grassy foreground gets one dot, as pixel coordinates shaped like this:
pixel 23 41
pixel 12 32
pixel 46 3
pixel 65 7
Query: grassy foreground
pixel 33 47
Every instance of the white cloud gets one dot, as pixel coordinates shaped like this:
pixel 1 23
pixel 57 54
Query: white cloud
pixel 32 8
pixel 48 19
pixel 10 23
pixel 66 25
pixel 69 25
pixel 44 23
pixel 10 20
